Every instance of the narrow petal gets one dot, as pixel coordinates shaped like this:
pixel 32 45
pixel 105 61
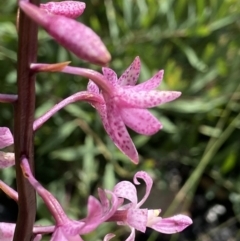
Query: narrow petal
pixel 127 190
pixel 109 236
pixel 7 159
pixel 104 200
pixel 117 131
pixel 149 182
pixel 94 208
pixel 137 218
pixel 174 224
pixel 102 111
pixel 6 138
pixel 92 87
pixel 110 75
pixel 150 84
pixel 96 216
pixel 140 120
pixel 113 207
pixel 131 237
pixel 144 99
pixel 119 134
pixel 70 9
pixel 131 74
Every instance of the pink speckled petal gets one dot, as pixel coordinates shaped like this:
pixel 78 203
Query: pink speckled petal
pixel 144 99
pixel 7 159
pixel 109 236
pixel 119 134
pixel 151 83
pixel 127 190
pixel 137 218
pixel 70 9
pixel 140 120
pixel 7 231
pixel 131 74
pixel 102 110
pixel 110 75
pixel 174 224
pixel 148 181
pixel 6 138
pixel 120 138
pixel 92 87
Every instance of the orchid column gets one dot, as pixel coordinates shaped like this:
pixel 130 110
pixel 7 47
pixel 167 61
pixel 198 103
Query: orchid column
pixel 23 122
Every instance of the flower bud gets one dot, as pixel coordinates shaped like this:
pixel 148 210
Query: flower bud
pixel 74 36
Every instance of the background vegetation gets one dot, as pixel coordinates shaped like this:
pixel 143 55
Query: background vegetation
pixel 194 160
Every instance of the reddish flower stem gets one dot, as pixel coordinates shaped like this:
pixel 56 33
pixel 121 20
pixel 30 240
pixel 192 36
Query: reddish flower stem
pixel 23 122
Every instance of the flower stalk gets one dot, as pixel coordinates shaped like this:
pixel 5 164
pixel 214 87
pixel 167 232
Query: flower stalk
pixel 23 122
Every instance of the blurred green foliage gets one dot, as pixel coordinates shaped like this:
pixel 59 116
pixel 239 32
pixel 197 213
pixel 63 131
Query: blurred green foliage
pixel 197 43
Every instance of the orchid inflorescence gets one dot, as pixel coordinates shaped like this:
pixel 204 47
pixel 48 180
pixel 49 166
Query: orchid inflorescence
pixel 121 104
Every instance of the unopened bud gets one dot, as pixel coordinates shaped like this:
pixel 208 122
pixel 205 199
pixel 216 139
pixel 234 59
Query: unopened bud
pixel 74 36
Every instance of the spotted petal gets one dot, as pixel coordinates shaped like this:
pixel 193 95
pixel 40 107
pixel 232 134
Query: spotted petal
pixel 92 87
pixel 110 75
pixel 150 84
pixel 140 120
pixel 174 224
pixel 144 99
pixel 119 133
pixel 148 181
pixel 127 190
pixel 131 74
pixel 137 218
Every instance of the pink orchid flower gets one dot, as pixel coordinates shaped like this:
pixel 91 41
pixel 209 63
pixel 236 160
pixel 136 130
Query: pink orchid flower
pixel 65 228
pixel 121 103
pixel 136 218
pixel 74 36
pixel 70 9
pixel 7 159
pixel 126 105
